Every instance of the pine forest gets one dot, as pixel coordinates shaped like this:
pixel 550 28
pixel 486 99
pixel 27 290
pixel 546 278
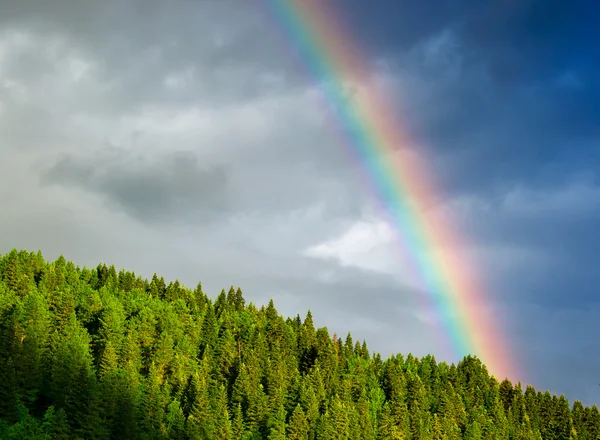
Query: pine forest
pixel 101 353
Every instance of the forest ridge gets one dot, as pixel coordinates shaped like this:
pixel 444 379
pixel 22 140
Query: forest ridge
pixel 92 353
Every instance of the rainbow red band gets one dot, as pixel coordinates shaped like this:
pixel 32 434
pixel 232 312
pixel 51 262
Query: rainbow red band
pixel 372 136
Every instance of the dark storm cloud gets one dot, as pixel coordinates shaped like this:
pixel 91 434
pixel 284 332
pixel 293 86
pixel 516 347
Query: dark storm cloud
pixel 517 82
pixel 170 188
pixel 574 347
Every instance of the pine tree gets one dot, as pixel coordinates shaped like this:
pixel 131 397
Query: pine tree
pixel 388 429
pixel 175 421
pixel 298 427
pixel 12 270
pixel 277 425
pixel 437 430
pixel 237 426
pixel 307 344
pixel 56 425
pixel 239 301
pixel 200 420
pixel 151 416
pixel 220 415
pixel 473 431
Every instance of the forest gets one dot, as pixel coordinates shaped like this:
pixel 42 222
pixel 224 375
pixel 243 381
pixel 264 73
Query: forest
pixel 102 353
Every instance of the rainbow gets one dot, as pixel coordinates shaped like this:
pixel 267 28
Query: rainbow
pixel 372 137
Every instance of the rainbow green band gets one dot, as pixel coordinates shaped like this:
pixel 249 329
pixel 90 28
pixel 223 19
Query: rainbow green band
pixel 372 136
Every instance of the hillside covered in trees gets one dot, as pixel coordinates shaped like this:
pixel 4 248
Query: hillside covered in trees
pixel 104 354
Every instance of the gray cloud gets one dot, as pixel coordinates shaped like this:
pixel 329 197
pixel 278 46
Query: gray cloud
pixel 574 344
pixel 151 191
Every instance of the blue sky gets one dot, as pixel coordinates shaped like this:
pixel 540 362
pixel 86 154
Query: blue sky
pixel 522 115
pixel 180 138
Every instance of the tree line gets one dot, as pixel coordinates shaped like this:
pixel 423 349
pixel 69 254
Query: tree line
pixel 96 353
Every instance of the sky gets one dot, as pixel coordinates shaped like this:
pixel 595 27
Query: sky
pixel 180 137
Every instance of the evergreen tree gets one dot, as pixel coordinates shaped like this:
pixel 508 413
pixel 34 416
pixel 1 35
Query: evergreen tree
pixel 220 415
pixel 298 427
pixel 237 428
pixel 56 425
pixel 277 425
pixel 200 420
pixel 175 421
